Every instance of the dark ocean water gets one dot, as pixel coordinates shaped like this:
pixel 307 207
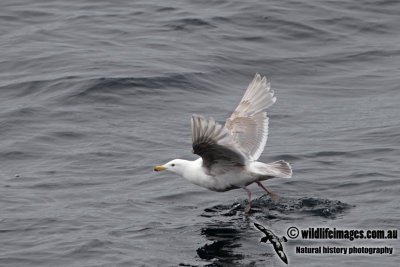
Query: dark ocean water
pixel 95 93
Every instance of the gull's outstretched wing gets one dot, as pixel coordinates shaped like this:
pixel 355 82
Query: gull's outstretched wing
pixel 248 123
pixel 214 144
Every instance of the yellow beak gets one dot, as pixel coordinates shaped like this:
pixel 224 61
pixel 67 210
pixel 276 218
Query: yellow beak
pixel 159 168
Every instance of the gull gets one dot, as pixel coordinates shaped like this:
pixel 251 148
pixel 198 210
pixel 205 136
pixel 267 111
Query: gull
pixel 228 154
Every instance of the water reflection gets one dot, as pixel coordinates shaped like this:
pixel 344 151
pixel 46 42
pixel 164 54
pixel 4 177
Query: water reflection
pixel 231 227
pixel 225 238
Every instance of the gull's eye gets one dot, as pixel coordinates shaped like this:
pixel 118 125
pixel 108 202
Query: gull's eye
pixel 173 165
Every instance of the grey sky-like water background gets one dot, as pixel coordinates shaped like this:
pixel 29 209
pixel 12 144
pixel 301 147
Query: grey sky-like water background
pixel 95 93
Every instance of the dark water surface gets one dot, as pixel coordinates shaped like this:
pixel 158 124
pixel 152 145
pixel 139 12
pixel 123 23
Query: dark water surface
pixel 95 93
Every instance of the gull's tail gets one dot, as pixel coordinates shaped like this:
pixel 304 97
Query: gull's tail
pixel 265 171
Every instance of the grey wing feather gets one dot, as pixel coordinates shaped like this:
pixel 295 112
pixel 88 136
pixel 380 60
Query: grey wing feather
pixel 248 123
pixel 214 144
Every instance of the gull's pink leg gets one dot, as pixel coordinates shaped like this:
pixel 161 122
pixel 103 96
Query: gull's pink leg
pixel 274 196
pixel 249 193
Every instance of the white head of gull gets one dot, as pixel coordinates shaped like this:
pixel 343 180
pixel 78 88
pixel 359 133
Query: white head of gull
pixel 228 154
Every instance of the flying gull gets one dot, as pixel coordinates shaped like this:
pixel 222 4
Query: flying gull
pixel 228 154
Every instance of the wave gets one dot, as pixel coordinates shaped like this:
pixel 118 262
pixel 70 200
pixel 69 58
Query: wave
pixel 284 209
